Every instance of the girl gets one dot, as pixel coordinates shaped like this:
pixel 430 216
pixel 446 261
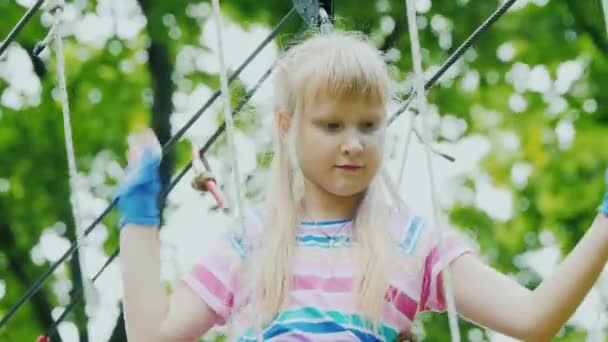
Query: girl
pixel 334 255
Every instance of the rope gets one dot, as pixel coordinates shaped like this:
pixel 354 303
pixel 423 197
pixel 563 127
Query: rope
pixel 222 128
pixel 17 28
pixel 238 204
pixel 406 150
pixel 78 295
pixel 57 37
pixel 275 32
pixel 457 54
pixel 67 126
pixel 170 143
pixel 422 107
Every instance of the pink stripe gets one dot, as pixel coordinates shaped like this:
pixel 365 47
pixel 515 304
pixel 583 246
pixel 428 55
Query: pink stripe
pixel 427 281
pixel 323 301
pixel 221 311
pixel 332 284
pixel 322 254
pixel 340 267
pixel 432 292
pixel 406 305
pixel 215 286
pixel 408 282
pixel 395 318
pixel 222 264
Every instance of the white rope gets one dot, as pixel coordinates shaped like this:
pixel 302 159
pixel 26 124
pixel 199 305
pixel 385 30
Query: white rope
pixel 238 205
pixel 56 36
pixel 406 148
pixel 421 106
pixel 65 107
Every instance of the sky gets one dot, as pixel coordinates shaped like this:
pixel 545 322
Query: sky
pixel 189 233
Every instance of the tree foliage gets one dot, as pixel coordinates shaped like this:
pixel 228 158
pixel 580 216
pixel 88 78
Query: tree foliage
pixel 531 87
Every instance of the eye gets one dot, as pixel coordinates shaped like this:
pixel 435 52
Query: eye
pixel 368 126
pixel 333 126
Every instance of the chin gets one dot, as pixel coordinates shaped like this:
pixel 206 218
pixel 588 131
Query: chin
pixel 347 192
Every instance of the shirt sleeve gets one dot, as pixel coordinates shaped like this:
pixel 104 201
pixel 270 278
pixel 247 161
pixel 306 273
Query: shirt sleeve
pixel 421 241
pixel 216 277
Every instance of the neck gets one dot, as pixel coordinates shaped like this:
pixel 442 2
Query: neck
pixel 319 205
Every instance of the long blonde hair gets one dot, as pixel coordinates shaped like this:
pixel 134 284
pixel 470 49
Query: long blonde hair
pixel 339 64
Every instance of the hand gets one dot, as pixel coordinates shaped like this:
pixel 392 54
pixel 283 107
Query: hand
pixel 604 207
pixel 140 188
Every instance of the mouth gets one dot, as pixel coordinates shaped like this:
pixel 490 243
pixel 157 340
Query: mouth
pixel 349 167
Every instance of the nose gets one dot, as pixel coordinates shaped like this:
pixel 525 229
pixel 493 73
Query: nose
pixel 352 146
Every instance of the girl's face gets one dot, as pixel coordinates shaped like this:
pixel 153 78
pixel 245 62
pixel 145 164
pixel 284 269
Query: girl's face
pixel 340 143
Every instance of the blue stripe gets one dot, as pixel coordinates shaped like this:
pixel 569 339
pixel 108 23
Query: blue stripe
pixel 238 245
pixel 317 328
pixel 323 223
pixel 413 234
pixel 324 245
pixel 322 239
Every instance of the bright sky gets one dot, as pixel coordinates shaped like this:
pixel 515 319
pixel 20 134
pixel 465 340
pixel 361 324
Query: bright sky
pixel 190 228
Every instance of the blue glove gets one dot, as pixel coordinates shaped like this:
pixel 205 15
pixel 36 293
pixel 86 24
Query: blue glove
pixel 140 189
pixel 604 207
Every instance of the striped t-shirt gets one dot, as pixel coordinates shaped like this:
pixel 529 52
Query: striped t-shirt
pixel 320 306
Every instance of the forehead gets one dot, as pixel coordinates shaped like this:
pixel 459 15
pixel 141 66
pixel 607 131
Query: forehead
pixel 327 105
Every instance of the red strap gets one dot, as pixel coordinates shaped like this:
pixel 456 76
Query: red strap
pixel 213 190
pixel 43 338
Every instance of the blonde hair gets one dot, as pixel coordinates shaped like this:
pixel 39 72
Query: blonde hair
pixel 342 65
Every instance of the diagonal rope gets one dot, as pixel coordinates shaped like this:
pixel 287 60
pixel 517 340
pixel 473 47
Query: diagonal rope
pixel 78 296
pixel 17 28
pixel 455 56
pixel 430 83
pixel 421 103
pixel 170 143
pixel 237 198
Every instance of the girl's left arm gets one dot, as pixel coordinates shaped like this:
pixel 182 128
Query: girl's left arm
pixel 493 300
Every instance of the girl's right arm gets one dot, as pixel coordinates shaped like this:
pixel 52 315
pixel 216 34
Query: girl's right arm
pixel 150 314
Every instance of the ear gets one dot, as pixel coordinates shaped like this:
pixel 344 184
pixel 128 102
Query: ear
pixel 283 121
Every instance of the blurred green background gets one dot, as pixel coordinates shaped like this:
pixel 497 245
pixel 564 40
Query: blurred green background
pixel 530 90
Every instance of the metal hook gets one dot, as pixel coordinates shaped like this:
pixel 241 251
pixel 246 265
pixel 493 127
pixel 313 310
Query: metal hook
pixel 312 11
pixel 325 26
